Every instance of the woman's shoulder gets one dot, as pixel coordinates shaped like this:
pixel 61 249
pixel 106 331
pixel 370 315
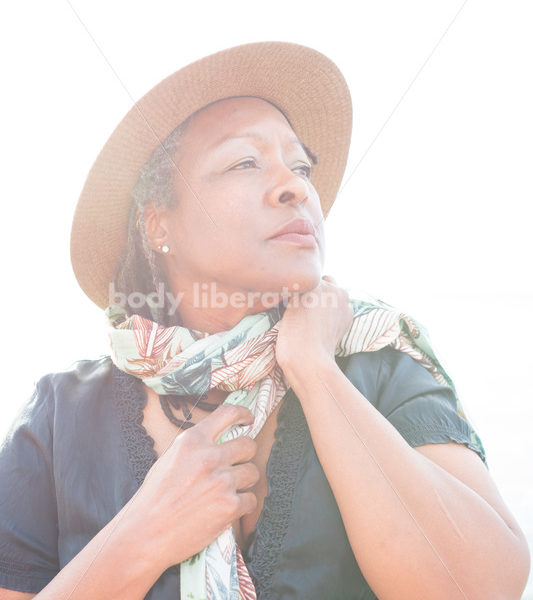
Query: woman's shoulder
pixel 87 373
pixel 82 370
pixel 59 400
pixel 82 384
pixel 404 391
pixel 370 372
pixel 393 380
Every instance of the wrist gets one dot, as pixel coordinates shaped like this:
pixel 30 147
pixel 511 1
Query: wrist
pixel 308 370
pixel 143 546
pixel 160 543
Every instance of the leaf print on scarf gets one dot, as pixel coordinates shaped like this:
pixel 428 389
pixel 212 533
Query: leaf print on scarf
pixel 153 344
pixel 187 381
pixel 409 325
pixel 148 366
pixel 247 363
pixel 151 338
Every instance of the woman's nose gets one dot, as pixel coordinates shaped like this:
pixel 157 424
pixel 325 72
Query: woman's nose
pixel 290 189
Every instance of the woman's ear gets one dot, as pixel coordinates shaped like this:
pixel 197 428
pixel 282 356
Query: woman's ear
pixel 155 226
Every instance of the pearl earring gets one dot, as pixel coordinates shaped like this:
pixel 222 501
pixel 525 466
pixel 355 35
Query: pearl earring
pixel 165 249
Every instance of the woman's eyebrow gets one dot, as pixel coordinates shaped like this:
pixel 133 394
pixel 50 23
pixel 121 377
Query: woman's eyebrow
pixel 253 135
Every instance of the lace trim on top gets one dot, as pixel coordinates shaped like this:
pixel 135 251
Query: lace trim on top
pixel 131 400
pixel 282 471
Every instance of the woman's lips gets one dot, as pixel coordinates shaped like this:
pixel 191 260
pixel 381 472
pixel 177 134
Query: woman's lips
pixel 306 240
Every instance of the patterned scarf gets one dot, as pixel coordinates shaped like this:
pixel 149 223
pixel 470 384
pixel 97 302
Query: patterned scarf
pixel 176 360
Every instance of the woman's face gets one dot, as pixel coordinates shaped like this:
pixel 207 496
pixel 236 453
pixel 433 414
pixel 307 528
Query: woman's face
pixel 243 175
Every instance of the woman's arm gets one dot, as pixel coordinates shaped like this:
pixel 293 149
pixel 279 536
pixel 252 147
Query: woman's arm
pixel 417 529
pixel 114 564
pixel 193 493
pixel 119 562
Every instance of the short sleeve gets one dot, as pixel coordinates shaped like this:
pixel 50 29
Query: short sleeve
pixel 28 512
pixel 422 410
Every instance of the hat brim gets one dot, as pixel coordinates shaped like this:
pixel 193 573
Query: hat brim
pixel 303 83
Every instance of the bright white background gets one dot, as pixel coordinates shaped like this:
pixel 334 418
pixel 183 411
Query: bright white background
pixel 435 217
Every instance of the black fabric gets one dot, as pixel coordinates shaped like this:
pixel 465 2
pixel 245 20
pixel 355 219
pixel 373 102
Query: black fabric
pixel 78 452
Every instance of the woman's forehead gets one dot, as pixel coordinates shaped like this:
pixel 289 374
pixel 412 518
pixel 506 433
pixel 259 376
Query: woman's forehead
pixel 226 121
pixel 235 117
pixel 239 103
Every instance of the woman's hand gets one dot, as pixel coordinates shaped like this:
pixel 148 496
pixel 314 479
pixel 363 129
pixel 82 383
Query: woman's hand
pixel 196 489
pixel 312 325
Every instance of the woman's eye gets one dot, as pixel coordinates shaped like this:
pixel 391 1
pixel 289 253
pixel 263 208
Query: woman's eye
pixel 304 170
pixel 249 163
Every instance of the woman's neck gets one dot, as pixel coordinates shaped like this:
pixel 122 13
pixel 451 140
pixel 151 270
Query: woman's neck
pixel 212 313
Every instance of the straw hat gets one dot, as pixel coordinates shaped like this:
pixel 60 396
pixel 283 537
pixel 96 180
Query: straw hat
pixel 304 84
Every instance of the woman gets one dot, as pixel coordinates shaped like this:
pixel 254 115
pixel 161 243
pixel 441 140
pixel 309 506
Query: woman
pixel 363 480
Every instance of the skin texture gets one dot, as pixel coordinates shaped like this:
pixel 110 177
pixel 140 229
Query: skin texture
pixel 436 528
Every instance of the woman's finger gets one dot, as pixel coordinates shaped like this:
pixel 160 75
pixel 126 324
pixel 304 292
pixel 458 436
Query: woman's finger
pixel 248 502
pixel 224 417
pixel 239 450
pixel 329 279
pixel 246 475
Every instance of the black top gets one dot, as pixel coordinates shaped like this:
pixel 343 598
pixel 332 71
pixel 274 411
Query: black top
pixel 77 453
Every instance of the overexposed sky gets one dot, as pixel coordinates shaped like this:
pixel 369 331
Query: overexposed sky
pixel 434 216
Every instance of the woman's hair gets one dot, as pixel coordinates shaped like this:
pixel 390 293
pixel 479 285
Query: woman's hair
pixel 138 270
